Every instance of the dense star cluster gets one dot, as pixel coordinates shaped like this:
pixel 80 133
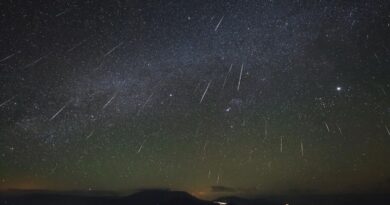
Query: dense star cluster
pixel 212 97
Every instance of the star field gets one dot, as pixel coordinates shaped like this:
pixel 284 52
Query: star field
pixel 210 97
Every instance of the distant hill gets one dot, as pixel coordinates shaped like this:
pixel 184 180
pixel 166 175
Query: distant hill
pixel 148 197
pixel 233 200
pixel 162 197
pixel 165 197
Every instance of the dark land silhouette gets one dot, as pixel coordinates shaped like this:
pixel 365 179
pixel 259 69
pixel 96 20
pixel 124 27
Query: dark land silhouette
pixel 166 197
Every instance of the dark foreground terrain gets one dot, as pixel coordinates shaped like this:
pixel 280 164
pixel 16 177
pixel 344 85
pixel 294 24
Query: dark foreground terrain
pixel 163 197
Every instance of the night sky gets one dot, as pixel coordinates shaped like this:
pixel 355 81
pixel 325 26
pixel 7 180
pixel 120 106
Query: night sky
pixel 216 97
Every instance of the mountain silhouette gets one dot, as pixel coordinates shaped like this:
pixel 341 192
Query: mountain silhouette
pixel 233 200
pixel 147 197
pixel 163 197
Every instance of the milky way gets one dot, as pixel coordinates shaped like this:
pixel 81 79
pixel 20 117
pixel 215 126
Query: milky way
pixel 210 97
